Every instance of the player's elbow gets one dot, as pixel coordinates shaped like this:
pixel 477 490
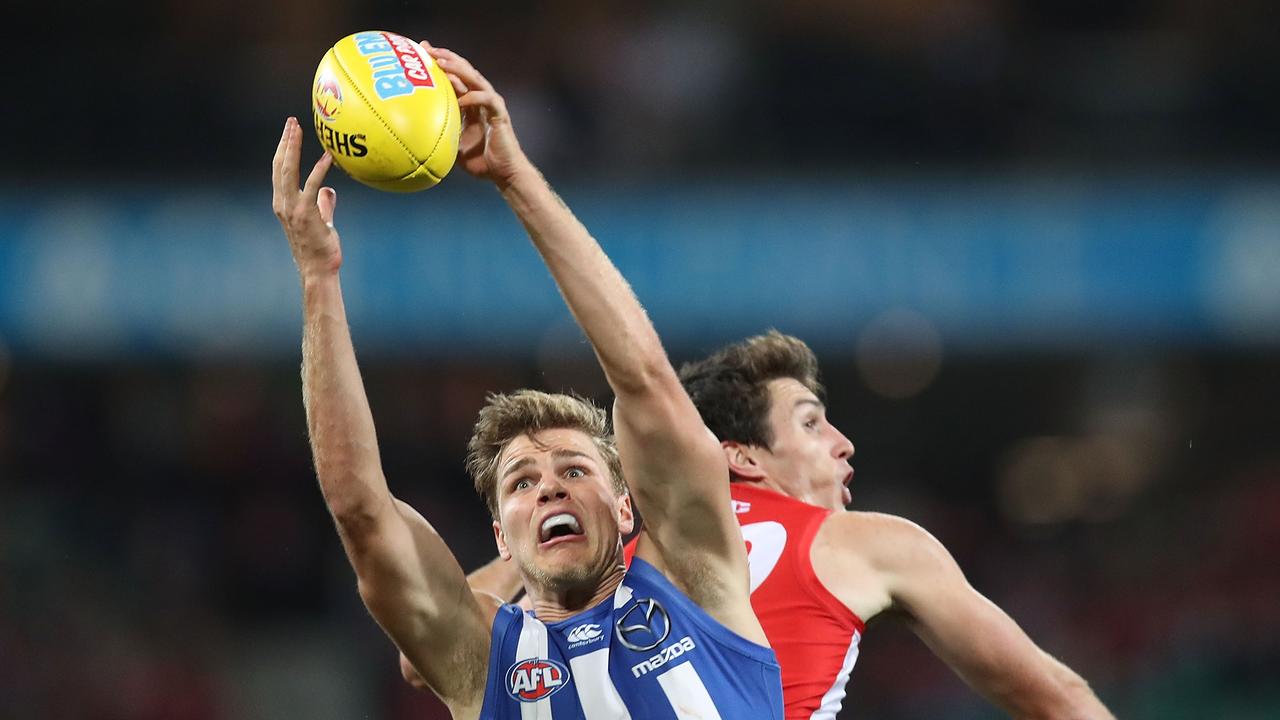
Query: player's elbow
pixel 1082 703
pixel 410 674
pixel 649 375
pixel 1078 699
pixel 355 508
pixel 355 517
pixel 1069 697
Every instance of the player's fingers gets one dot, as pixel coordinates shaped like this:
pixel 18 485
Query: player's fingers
pixel 460 66
pixel 277 198
pixel 483 99
pixel 289 163
pixel 327 201
pixel 279 156
pixel 316 178
pixel 459 88
pixel 491 105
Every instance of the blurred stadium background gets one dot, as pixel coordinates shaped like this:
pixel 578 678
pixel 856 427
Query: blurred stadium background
pixel 1035 245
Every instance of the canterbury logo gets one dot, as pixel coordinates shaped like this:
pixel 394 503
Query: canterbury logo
pixel 585 633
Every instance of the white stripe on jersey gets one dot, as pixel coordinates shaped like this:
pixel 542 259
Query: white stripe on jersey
pixel 533 644
pixel 686 693
pixel 621 596
pixel 830 704
pixel 596 692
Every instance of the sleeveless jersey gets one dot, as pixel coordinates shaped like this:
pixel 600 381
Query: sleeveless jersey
pixel 814 635
pixel 647 653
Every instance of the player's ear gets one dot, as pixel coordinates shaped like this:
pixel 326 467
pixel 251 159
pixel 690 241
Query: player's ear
pixel 742 460
pixel 500 539
pixel 626 516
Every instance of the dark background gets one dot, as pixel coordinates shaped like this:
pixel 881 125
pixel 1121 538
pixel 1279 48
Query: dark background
pixel 164 552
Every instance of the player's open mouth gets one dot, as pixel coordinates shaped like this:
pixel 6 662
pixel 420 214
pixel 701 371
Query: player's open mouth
pixel 845 493
pixel 561 527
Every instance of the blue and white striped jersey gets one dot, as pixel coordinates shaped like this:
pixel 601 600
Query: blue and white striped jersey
pixel 649 653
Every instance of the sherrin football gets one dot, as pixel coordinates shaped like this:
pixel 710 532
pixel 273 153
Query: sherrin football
pixel 386 112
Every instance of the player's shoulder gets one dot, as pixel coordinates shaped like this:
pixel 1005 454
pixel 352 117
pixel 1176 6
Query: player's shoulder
pixel 867 559
pixel 884 541
pixel 490 604
pixel 865 525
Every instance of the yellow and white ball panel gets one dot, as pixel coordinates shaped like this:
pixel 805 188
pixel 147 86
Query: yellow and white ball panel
pixel 386 111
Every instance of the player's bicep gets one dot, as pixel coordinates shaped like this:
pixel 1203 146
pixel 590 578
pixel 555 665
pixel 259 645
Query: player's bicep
pixel 681 489
pixel 660 430
pixel 676 472
pixel 977 639
pixel 405 576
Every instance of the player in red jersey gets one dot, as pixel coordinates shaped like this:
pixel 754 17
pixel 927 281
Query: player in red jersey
pixel 819 572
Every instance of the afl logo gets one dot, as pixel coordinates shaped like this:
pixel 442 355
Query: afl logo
pixel 643 626
pixel 327 97
pixel 533 679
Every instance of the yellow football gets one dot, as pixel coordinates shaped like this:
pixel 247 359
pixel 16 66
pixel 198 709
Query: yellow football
pixel 386 112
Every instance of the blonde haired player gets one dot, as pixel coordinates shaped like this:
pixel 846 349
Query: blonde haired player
pixel 819 572
pixel 669 638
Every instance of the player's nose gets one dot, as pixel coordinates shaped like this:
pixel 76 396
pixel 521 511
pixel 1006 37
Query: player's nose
pixel 551 488
pixel 843 448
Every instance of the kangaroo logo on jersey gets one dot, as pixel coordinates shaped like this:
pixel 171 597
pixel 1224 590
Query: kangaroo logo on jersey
pixel 644 625
pixel 584 634
pixel 533 679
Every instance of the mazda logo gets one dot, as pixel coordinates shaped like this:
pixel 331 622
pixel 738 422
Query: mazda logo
pixel 643 626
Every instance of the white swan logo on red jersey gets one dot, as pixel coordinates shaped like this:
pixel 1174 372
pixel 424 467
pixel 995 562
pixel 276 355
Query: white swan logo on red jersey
pixel 765 543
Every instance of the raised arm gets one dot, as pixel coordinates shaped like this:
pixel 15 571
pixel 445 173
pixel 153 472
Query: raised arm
pixel 673 464
pixel 409 580
pixel 497 579
pixel 895 564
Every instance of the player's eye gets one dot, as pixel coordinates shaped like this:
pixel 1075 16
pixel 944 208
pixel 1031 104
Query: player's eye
pixel 575 472
pixel 522 484
pixel 811 423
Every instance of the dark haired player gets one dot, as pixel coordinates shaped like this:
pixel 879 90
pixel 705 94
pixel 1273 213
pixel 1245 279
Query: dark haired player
pixel 819 572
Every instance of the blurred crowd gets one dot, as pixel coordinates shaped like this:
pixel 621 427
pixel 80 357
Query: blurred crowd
pixel 710 86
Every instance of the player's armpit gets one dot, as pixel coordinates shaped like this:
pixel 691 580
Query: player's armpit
pixel 678 477
pixel 980 642
pixel 415 590
pixel 487 600
pixel 680 481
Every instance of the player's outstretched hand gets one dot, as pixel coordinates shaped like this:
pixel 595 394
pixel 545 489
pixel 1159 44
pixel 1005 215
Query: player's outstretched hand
pixel 306 214
pixel 488 147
